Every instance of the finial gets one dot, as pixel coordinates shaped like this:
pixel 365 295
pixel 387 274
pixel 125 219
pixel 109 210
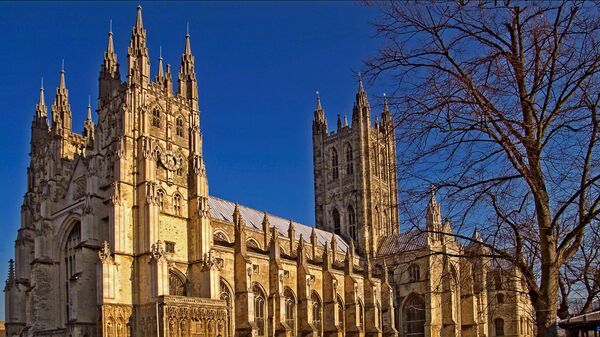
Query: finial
pixel 62 75
pixel 345 120
pixel 42 87
pixel 110 26
pixel 62 67
pixel 160 52
pixel 138 21
pixel 188 29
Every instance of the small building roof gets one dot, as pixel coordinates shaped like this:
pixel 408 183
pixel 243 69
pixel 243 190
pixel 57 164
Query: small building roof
pixel 403 242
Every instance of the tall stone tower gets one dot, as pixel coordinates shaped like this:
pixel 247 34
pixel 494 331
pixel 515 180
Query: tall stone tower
pixel 355 175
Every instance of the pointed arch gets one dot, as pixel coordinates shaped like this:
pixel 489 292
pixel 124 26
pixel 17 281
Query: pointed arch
pixel 349 160
pixel 290 309
pixel 361 314
pixel 260 300
pixel 334 164
pixel 337 224
pixel 156 117
pixel 251 242
pixel 70 268
pixel 352 230
pixel 413 312
pixel 220 235
pixel 317 312
pixel 226 294
pixel 177 203
pixel 341 312
pixel 177 283
pixel 179 127
pixel 160 195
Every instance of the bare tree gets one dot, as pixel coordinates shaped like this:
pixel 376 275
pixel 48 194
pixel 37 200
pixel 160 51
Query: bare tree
pixel 579 281
pixel 497 105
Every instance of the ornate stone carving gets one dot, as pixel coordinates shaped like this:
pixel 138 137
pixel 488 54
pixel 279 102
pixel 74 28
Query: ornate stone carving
pixel 79 187
pixel 210 261
pixel 104 253
pixel 158 250
pixel 116 195
pixel 170 160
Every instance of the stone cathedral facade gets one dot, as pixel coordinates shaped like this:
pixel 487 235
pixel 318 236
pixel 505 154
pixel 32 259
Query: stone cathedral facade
pixel 120 237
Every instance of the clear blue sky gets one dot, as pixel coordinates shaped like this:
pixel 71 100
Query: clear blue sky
pixel 258 66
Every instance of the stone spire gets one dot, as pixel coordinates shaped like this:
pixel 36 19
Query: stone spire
pixel 313 242
pixel 41 110
pixel 361 105
pixel 88 125
pixel 160 77
pixel 266 225
pixel 433 211
pixel 291 235
pixel 339 122
pixel 138 70
pixel 61 109
pixel 345 120
pixel 319 116
pixel 110 76
pixel 188 86
pixel 386 115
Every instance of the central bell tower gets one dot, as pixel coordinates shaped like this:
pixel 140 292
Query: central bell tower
pixel 355 175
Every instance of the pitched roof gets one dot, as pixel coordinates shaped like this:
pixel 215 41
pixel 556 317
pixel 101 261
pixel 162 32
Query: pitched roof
pixel 406 241
pixel 223 210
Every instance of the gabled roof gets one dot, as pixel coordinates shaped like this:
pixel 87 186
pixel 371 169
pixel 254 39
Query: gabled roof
pixel 223 210
pixel 403 242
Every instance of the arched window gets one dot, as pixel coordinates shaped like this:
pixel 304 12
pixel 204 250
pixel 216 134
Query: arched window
pixel 259 309
pixel 316 312
pixel 177 204
pixel 161 199
pixel 414 314
pixel 414 273
pixel 352 224
pixel 337 226
pixel 334 164
pixel 290 310
pixel 70 253
pixel 156 118
pixel 500 298
pixel 361 314
pixel 375 163
pixel 499 326
pixel 378 316
pixel 349 160
pixel 226 295
pixel 179 127
pixel 176 284
pixel 340 309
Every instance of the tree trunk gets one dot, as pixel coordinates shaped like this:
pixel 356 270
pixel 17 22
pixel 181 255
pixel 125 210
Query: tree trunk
pixel 546 304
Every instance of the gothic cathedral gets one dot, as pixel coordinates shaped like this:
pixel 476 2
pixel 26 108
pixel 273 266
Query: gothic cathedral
pixel 120 237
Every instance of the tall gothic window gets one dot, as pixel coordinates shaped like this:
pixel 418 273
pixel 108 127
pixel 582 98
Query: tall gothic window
pixel 290 310
pixel 161 199
pixel 375 162
pixel 414 314
pixel 352 224
pixel 179 127
pixel 176 284
pixel 334 164
pixel 337 226
pixel 340 309
pixel 361 314
pixel 73 240
pixel 156 118
pixel 259 309
pixel 316 311
pixel 414 273
pixel 349 160
pixel 226 295
pixel 177 204
pixel 499 326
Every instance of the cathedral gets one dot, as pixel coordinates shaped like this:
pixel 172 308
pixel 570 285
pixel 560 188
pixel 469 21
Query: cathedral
pixel 120 236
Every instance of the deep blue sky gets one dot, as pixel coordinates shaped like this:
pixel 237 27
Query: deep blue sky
pixel 258 66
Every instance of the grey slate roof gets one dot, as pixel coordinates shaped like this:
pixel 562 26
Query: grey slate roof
pixel 403 242
pixel 223 210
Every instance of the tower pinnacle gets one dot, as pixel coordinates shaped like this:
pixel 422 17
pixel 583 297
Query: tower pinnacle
pixel 41 111
pixel 61 109
pixel 188 86
pixel 139 65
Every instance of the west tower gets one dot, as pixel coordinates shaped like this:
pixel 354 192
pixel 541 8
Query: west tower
pixel 355 175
